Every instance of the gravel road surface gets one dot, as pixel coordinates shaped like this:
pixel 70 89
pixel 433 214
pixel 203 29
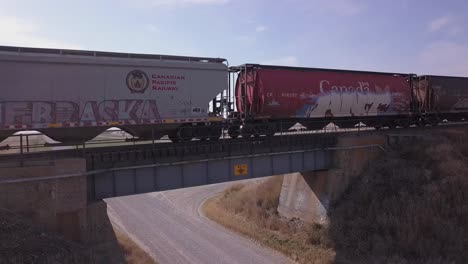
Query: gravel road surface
pixel 170 226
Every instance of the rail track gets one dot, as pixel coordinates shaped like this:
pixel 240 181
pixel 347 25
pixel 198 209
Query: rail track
pixel 115 141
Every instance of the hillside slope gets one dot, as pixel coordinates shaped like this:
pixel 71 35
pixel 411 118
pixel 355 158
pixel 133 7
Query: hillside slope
pixel 22 243
pixel 411 206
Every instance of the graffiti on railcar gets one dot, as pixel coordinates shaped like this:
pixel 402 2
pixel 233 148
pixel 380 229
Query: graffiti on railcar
pixel 353 104
pixel 37 113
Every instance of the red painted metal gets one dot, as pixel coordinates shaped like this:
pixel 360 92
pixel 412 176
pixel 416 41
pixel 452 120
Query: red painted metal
pixel 286 93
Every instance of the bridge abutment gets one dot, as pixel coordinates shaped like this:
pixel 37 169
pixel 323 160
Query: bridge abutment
pixel 308 195
pixel 50 194
pixel 305 196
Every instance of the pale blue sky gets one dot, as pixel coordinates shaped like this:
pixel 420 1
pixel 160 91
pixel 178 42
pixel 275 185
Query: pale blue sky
pixel 401 35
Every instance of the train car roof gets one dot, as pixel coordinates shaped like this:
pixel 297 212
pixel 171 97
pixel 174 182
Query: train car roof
pixel 442 76
pixel 276 67
pixel 106 54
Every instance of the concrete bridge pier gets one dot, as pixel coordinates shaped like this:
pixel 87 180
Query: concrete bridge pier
pixel 305 196
pixel 55 204
pixel 308 195
pixel 52 195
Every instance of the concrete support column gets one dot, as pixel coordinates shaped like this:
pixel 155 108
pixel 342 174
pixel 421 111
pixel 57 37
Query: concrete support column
pixel 308 195
pixel 42 195
pixel 305 196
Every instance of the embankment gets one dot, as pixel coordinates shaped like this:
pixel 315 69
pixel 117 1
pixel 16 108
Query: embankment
pixel 42 213
pixel 21 241
pixel 410 206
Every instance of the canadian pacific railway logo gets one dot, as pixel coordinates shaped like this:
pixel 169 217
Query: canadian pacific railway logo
pixel 137 81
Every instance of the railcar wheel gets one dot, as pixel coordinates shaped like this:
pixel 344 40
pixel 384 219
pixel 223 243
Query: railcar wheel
pixel 215 133
pixel 434 121
pixel 185 133
pixel 246 135
pixel 234 131
pixel 246 132
pixel 174 137
pixel 270 131
pixel 257 131
pixel 420 123
pixel 405 123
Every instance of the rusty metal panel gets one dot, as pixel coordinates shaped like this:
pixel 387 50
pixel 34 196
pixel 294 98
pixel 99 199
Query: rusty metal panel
pixel 450 94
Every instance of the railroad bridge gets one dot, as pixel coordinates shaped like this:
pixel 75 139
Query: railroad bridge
pixel 134 169
pixel 55 188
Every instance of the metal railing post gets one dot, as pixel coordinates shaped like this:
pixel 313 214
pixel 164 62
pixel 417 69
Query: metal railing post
pixel 21 144
pixel 27 143
pixel 21 151
pixel 281 128
pixel 152 137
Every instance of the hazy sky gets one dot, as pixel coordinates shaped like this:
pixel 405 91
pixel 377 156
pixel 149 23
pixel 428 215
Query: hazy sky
pixel 400 35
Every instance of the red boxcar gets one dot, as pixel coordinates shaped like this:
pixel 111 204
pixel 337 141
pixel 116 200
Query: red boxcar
pixel 442 96
pixel 275 92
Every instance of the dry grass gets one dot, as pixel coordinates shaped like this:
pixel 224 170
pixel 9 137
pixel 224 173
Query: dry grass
pixel 22 242
pixel 251 210
pixel 409 207
pixel 133 254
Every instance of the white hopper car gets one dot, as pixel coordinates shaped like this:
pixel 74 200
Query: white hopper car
pixel 72 96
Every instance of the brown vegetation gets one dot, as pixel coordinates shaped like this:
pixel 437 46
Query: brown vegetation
pixel 250 209
pixel 133 254
pixel 409 207
pixel 22 242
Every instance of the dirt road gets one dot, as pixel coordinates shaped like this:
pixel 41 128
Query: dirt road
pixel 171 228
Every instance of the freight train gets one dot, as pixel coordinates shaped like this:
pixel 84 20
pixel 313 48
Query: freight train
pixel 73 95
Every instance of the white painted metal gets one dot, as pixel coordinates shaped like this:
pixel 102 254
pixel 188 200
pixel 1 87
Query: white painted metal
pixel 41 90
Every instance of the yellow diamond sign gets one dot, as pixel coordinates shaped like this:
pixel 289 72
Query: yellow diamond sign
pixel 241 169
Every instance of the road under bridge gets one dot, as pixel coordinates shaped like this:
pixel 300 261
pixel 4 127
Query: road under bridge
pixel 55 188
